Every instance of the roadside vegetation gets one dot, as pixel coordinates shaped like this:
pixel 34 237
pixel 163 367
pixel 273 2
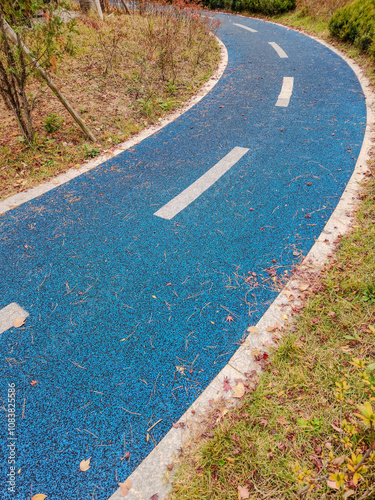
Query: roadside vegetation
pixel 120 75
pixel 307 430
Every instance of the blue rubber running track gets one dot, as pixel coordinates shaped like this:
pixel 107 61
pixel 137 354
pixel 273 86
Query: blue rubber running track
pixel 128 309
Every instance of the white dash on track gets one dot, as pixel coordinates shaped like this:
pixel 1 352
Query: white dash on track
pixel 198 187
pixel 279 50
pixel 286 92
pixel 246 28
pixel 9 314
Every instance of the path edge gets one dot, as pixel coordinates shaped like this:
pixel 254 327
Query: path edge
pixel 18 199
pixel 151 476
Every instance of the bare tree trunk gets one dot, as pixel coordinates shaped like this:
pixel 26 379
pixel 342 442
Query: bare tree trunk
pixel 87 5
pixel 13 85
pixel 125 7
pixel 13 37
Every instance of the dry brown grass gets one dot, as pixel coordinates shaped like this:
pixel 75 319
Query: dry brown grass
pixel 321 8
pixel 127 73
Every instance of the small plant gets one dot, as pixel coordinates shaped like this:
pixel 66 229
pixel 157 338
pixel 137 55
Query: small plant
pixel 350 462
pixel 90 152
pixel 52 123
pixel 369 294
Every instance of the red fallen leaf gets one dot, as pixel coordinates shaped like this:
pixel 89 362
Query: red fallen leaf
pixel 261 356
pixel 226 384
pixel 175 425
pixel 332 314
pixel 281 445
pixel 127 454
pixel 271 271
pixel 169 284
pixel 263 421
pixel 229 319
pixel 308 184
pixel 33 382
pixel 154 497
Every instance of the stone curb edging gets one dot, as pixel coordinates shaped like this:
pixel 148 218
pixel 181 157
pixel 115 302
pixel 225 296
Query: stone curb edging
pixel 32 193
pixel 151 477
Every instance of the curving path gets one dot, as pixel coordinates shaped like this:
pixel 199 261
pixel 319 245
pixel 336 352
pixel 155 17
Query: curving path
pixel 135 275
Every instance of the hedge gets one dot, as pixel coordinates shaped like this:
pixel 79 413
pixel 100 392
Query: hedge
pixel 355 23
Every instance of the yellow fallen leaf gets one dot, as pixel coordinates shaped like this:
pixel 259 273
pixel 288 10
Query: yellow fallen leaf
pixel 39 496
pixel 238 390
pixel 19 322
pixel 253 330
pixel 85 465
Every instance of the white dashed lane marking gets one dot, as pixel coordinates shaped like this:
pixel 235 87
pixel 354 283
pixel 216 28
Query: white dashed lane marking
pixel 286 92
pixel 9 314
pixel 245 28
pixel 279 50
pixel 198 187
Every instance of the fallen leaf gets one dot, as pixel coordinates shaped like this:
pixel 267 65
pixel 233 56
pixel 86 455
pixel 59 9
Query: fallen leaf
pixel 303 287
pixel 39 496
pixel 243 492
pixel 282 420
pixel 264 422
pixel 127 454
pixel 154 497
pixel 229 319
pixel 19 322
pixel 276 326
pixel 289 294
pixel 332 484
pixel 226 384
pixel 348 494
pixel 338 460
pixel 238 390
pixel 125 487
pixel 332 314
pixel 85 465
pixel 33 382
pixel 230 460
pixel 281 445
pixel 176 426
pixel 253 330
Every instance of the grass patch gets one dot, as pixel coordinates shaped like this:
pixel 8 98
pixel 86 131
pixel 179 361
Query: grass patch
pixel 127 73
pixel 293 428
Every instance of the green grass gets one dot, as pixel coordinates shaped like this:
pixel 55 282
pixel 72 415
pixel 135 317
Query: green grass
pixel 272 443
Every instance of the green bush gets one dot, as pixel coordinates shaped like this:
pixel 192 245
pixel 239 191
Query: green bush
pixel 267 7
pixel 355 23
pixel 52 123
